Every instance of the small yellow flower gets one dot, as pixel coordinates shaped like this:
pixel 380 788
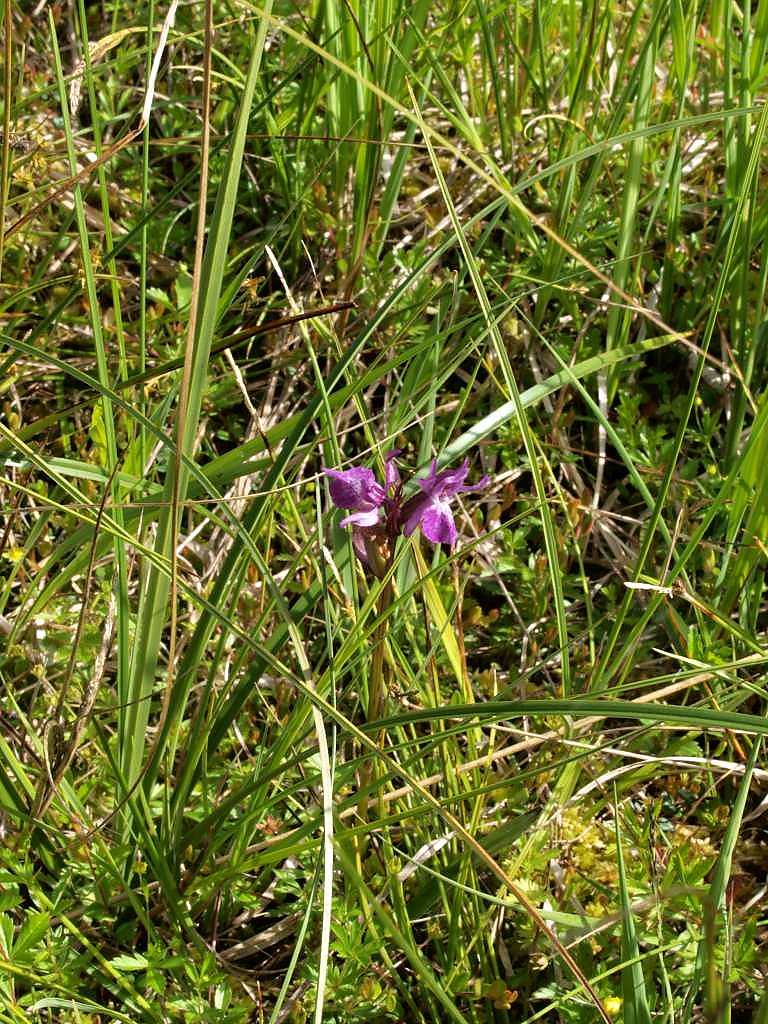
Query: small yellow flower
pixel 612 1006
pixel 502 996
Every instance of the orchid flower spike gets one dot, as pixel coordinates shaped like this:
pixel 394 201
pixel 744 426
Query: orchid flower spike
pixel 378 514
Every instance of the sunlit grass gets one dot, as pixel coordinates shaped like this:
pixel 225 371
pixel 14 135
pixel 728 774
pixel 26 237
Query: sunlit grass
pixel 244 777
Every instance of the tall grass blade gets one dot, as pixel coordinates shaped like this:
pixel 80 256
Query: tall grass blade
pixel 635 998
pixel 618 318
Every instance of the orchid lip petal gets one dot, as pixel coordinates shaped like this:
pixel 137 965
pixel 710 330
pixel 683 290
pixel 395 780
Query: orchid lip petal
pixel 437 523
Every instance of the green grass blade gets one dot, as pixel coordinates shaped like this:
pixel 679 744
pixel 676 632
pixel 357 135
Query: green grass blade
pixel 635 997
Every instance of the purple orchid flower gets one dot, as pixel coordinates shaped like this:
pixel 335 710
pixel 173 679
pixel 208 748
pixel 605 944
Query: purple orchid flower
pixel 431 510
pixel 358 490
pixel 377 514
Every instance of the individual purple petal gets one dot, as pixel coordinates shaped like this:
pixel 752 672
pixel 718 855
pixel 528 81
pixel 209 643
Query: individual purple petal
pixel 358 543
pixel 430 481
pixel 447 482
pixel 450 482
pixel 458 486
pixel 481 484
pixel 367 517
pixel 354 488
pixel 391 475
pixel 437 523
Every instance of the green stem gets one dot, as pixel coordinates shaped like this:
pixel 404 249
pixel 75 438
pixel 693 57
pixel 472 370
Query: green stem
pixel 377 689
pixel 377 696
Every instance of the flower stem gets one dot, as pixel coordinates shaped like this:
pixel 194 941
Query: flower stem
pixel 377 689
pixel 377 696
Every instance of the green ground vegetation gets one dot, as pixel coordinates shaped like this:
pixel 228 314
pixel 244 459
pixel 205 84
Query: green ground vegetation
pixel 244 778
